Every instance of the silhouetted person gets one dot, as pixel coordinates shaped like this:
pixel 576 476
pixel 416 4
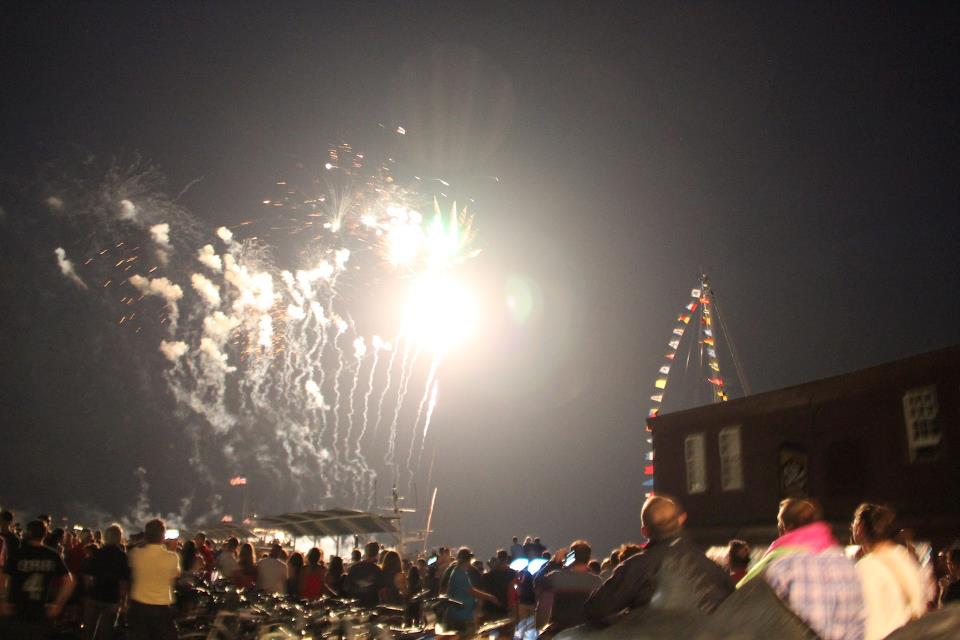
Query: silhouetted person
pixel 365 578
pixel 635 580
pixel 563 592
pixel 27 582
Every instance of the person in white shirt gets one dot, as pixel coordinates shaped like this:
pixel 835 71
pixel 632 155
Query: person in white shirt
pixel 227 564
pixel 893 589
pixel 272 572
pixel 153 572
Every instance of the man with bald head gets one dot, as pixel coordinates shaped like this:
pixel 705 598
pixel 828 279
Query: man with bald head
pixel 668 562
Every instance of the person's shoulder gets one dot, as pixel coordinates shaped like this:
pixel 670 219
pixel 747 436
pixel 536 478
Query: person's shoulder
pixel 47 551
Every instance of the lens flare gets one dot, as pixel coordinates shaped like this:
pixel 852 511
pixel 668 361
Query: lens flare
pixel 440 312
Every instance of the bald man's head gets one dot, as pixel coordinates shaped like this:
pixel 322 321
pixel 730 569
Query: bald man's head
pixel 661 517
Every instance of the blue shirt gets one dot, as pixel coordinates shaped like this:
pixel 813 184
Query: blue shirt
pixel 459 589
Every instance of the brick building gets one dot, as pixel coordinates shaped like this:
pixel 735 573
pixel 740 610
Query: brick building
pixel 890 433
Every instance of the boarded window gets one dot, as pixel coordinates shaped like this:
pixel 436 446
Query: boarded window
pixel 731 464
pixel 921 414
pixel 694 448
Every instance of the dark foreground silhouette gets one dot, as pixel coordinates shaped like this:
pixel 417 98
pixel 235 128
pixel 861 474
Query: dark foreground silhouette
pixel 752 612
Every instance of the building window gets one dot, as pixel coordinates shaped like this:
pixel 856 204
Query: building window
pixel 921 414
pixel 694 448
pixel 731 465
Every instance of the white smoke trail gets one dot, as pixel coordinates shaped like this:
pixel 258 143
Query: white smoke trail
pixel 209 292
pixel 341 326
pixel 403 385
pixel 387 385
pixel 426 424
pixel 359 351
pixel 366 471
pixel 214 357
pixel 428 387
pixel 161 236
pixel 66 267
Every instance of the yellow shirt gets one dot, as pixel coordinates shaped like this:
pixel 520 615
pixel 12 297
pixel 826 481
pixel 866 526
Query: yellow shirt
pixel 153 571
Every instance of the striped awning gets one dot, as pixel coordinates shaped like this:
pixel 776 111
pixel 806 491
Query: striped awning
pixel 330 522
pixel 224 530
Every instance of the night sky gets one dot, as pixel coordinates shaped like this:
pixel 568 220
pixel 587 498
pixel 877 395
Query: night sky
pixel 805 155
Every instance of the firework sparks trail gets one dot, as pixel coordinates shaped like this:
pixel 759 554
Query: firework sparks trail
pixel 253 355
pixel 387 384
pixel 406 371
pixel 428 387
pixel 426 423
pixel 359 351
pixel 366 472
pixel 335 401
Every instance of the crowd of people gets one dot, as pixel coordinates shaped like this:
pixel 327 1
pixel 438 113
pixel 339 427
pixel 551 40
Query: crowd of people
pixel 97 581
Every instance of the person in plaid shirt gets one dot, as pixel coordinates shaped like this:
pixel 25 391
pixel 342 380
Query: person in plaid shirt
pixel 809 571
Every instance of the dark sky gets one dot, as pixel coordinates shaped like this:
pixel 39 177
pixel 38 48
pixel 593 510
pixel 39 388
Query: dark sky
pixel 804 154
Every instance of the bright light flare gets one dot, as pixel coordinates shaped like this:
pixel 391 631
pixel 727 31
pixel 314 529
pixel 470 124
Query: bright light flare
pixel 405 241
pixel 441 312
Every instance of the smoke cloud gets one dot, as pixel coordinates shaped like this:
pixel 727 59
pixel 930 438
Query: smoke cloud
pixel 214 356
pixel 162 288
pixel 209 258
pixel 218 326
pixel 128 210
pixel 207 290
pixel 173 350
pixel 161 234
pixel 66 267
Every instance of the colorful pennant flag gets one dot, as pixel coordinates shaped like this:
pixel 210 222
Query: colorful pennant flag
pixel 665 369
pixel 661 383
pixel 657 398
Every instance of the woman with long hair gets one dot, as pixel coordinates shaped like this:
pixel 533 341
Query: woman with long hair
pixel 335 576
pixel 294 571
pixel 414 586
pixel 313 575
pixel 394 589
pixel 246 574
pixel 893 590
